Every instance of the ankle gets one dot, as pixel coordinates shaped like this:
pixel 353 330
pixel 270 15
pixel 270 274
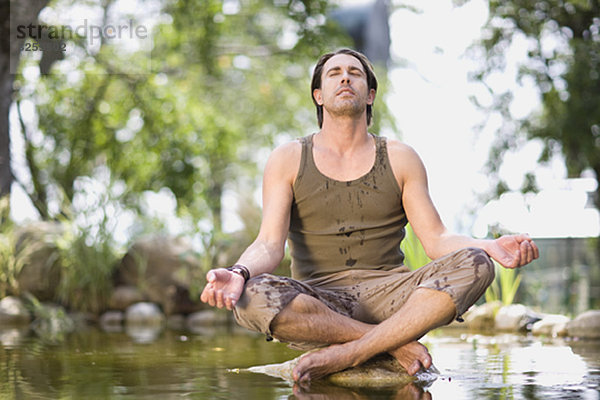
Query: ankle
pixel 358 352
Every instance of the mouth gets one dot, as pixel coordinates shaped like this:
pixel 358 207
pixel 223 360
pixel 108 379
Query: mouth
pixel 345 91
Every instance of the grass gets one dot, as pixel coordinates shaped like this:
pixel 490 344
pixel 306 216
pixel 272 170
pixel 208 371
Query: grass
pixel 414 254
pixel 505 285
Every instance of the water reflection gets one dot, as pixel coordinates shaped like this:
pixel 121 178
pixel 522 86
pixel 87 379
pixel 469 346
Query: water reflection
pixel 167 364
pixel 321 391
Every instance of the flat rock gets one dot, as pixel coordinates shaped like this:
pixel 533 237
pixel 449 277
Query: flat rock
pixel 380 371
pixel 586 325
pixel 206 318
pixel 515 318
pixel 482 318
pixel 551 325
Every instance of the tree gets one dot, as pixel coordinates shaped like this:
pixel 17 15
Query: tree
pixel 563 61
pixel 224 84
pixel 21 12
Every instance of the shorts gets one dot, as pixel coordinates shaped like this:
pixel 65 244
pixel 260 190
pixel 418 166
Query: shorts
pixel 370 296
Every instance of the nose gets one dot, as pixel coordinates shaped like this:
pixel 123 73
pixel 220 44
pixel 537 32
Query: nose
pixel 345 77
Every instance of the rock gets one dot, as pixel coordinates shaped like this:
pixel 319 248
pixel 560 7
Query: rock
pixel 551 325
pixel 203 322
pixel 124 296
pixel 380 371
pixel 112 321
pixel 144 314
pixel 206 318
pixel 586 325
pixel 13 312
pixel 482 318
pixel 41 271
pixel 515 317
pixel 12 337
pixel 162 268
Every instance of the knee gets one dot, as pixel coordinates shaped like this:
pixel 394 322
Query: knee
pixel 482 264
pixel 264 296
pixel 253 293
pixel 249 309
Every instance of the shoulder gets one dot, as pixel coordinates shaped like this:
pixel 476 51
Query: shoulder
pixel 286 153
pixel 398 149
pixel 404 160
pixel 284 160
pixel 402 155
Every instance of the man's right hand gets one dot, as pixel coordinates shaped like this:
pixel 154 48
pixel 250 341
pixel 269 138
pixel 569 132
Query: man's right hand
pixel 223 288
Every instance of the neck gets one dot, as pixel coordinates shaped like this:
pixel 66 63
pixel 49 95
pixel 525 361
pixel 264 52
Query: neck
pixel 344 134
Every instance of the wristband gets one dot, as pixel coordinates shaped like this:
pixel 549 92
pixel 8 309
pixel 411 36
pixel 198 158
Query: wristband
pixel 240 270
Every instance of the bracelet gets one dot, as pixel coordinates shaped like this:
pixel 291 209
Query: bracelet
pixel 240 270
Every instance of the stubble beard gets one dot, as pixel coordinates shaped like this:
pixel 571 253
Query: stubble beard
pixel 346 108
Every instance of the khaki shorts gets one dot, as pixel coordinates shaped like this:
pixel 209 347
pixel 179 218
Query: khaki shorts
pixel 370 296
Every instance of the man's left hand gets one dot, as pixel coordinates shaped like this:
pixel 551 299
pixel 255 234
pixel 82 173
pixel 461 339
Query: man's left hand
pixel 513 251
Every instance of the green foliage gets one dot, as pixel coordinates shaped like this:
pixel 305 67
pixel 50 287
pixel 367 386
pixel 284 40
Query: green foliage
pixel 222 89
pixel 86 272
pixel 87 252
pixel 505 285
pixel 414 254
pixel 10 261
pixel 562 62
pixel 51 323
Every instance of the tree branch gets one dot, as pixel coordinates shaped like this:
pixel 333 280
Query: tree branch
pixel 38 194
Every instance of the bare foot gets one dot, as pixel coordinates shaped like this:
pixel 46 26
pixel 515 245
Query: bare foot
pixel 323 362
pixel 412 356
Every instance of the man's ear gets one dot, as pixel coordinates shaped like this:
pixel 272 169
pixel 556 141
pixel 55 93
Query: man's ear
pixel 317 96
pixel 371 98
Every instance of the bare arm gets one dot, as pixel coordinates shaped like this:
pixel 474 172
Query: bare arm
pixel 511 251
pixel 224 288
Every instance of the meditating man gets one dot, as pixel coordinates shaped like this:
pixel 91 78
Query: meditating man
pixel 342 197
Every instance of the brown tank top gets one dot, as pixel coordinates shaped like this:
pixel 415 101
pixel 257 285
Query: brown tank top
pixel 337 226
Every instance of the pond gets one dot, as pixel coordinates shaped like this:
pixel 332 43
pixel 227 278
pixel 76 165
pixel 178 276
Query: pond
pixel 92 364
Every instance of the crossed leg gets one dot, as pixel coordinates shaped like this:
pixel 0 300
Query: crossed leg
pixel 353 342
pixel 296 312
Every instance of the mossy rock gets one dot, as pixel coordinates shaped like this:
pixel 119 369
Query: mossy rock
pixel 380 371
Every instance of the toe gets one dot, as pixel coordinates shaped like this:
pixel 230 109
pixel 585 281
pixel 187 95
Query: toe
pixel 426 361
pixel 414 367
pixel 296 374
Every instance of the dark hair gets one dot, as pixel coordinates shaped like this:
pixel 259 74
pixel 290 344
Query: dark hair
pixel 318 71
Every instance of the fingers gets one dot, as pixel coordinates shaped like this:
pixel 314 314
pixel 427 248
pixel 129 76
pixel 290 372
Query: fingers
pixel 211 276
pixel 210 294
pixel 215 297
pixel 219 291
pixel 536 250
pixel 528 250
pixel 207 295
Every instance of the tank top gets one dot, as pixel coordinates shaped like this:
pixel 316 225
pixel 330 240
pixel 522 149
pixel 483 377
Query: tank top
pixel 341 225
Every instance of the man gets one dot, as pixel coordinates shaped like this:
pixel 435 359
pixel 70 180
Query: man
pixel 343 197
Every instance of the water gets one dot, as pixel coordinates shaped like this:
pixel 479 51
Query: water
pixel 180 365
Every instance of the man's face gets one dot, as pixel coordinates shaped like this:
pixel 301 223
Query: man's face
pixel 344 90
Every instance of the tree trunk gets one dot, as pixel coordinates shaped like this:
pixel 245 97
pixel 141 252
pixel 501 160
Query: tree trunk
pixel 19 12
pixel 596 195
